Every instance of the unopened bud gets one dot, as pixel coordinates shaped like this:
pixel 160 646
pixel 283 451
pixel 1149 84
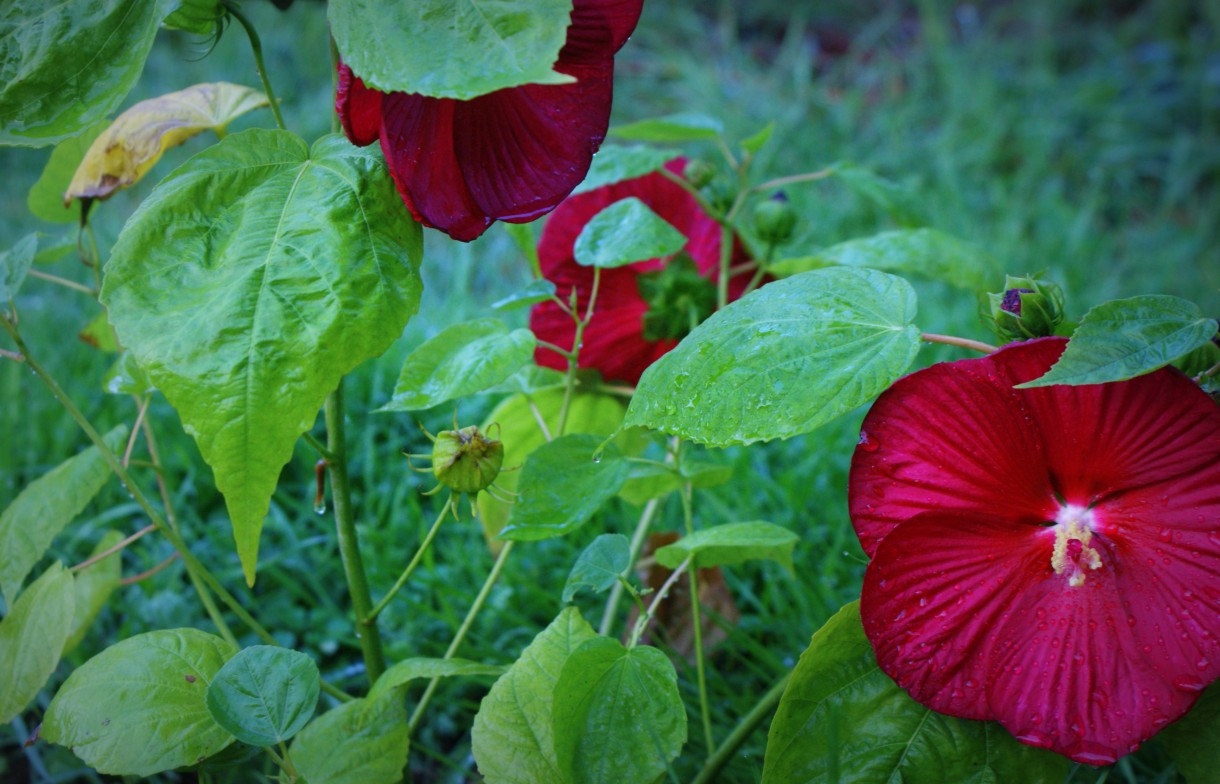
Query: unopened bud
pixel 698 172
pixel 774 219
pixel 465 460
pixel 1027 308
pixel 719 194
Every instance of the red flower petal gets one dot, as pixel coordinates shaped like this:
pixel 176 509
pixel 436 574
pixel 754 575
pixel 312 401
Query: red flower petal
pixel 359 108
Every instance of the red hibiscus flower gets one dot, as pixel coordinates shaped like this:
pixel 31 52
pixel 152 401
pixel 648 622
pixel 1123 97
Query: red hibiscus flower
pixel 510 155
pixel 1048 558
pixel 642 309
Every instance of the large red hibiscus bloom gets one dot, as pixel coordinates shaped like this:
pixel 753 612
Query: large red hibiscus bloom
pixel 642 309
pixel 1048 557
pixel 510 155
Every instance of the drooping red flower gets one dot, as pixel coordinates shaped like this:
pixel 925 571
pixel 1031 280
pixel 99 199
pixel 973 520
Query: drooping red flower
pixel 1049 557
pixel 510 155
pixel 642 309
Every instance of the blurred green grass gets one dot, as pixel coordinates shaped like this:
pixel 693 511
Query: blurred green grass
pixel 1077 138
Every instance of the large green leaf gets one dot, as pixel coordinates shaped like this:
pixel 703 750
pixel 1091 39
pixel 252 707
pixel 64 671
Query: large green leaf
pixel 1191 740
pixel 264 695
pixel 412 669
pixel 563 484
pixel 599 566
pixel 461 360
pixel 45 506
pixel 359 742
pixel 249 282
pixel 94 584
pixel 46 199
pixel 731 543
pixel 683 127
pixel 616 162
pixel 15 264
pixel 512 738
pixel 32 637
pixel 842 719
pixel 457 48
pixel 783 360
pixel 626 232
pixel 1125 338
pixel 617 714
pixel 925 252
pixel 68 64
pixel 137 708
pixel 519 432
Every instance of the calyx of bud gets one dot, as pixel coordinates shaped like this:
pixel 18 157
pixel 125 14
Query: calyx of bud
pixel 465 460
pixel 698 172
pixel 1027 308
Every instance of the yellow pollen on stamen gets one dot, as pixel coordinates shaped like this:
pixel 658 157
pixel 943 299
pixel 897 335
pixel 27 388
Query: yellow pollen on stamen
pixel 1072 523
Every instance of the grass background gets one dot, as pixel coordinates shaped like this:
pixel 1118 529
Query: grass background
pixel 1079 138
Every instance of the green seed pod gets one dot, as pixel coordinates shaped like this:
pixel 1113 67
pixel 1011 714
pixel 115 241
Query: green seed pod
pixel 465 460
pixel 698 172
pixel 774 219
pixel 1027 308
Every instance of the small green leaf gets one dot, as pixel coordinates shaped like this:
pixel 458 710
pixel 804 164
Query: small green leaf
pixel 626 232
pixel 459 48
pixel 537 291
pixel 137 708
pixel 461 360
pixel 756 142
pixel 842 719
pixel 685 127
pixel 46 506
pixel 55 251
pixel 731 543
pixel 617 714
pixel 32 637
pixel 562 486
pixel 1126 338
pixel 66 65
pixel 249 282
pixel 530 380
pixel 359 742
pixel 899 203
pixel 264 695
pixel 126 378
pixel 46 199
pixel 99 334
pixel 513 735
pixel 783 360
pixel 615 163
pixel 94 584
pixel 649 480
pixel 1191 740
pixel 409 670
pixel 599 566
pixel 14 265
pixel 927 253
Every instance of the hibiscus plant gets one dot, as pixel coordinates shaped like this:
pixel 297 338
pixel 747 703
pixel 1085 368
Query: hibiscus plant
pixel 1042 520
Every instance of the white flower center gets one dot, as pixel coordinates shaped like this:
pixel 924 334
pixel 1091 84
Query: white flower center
pixel 1072 554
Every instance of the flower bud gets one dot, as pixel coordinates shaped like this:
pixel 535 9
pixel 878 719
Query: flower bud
pixel 1027 308
pixel 698 172
pixel 719 194
pixel 774 219
pixel 465 460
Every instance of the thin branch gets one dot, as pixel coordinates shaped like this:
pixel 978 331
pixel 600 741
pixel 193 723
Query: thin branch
pixel 135 430
pixel 68 284
pixel 646 618
pixel 135 578
pixel 779 182
pixel 13 355
pixel 949 340
pixel 91 560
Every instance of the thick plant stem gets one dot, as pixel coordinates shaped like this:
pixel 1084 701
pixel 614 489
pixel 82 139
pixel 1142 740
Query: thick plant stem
pixel 479 601
pixel 371 618
pixel 743 730
pixel 349 543
pixel 637 543
pixel 256 46
pixel 697 620
pixel 950 340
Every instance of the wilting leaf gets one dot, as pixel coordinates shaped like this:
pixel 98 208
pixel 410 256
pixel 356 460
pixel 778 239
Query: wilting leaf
pixel 46 199
pixel 135 141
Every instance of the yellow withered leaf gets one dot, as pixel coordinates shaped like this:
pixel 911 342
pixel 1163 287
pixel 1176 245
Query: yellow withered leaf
pixel 138 137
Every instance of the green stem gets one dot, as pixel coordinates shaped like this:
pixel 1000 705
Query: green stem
pixel 349 542
pixel 96 263
pixel 697 620
pixel 68 284
pixel 642 622
pixel 637 543
pixel 741 732
pixel 256 46
pixel 780 182
pixel 289 768
pixel 317 445
pixel 574 354
pixel 949 340
pixel 479 601
pixel 694 193
pixel 371 618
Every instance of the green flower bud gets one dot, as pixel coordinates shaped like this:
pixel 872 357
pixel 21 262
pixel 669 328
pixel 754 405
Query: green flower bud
pixel 698 172
pixel 774 219
pixel 719 194
pixel 465 460
pixel 1027 308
